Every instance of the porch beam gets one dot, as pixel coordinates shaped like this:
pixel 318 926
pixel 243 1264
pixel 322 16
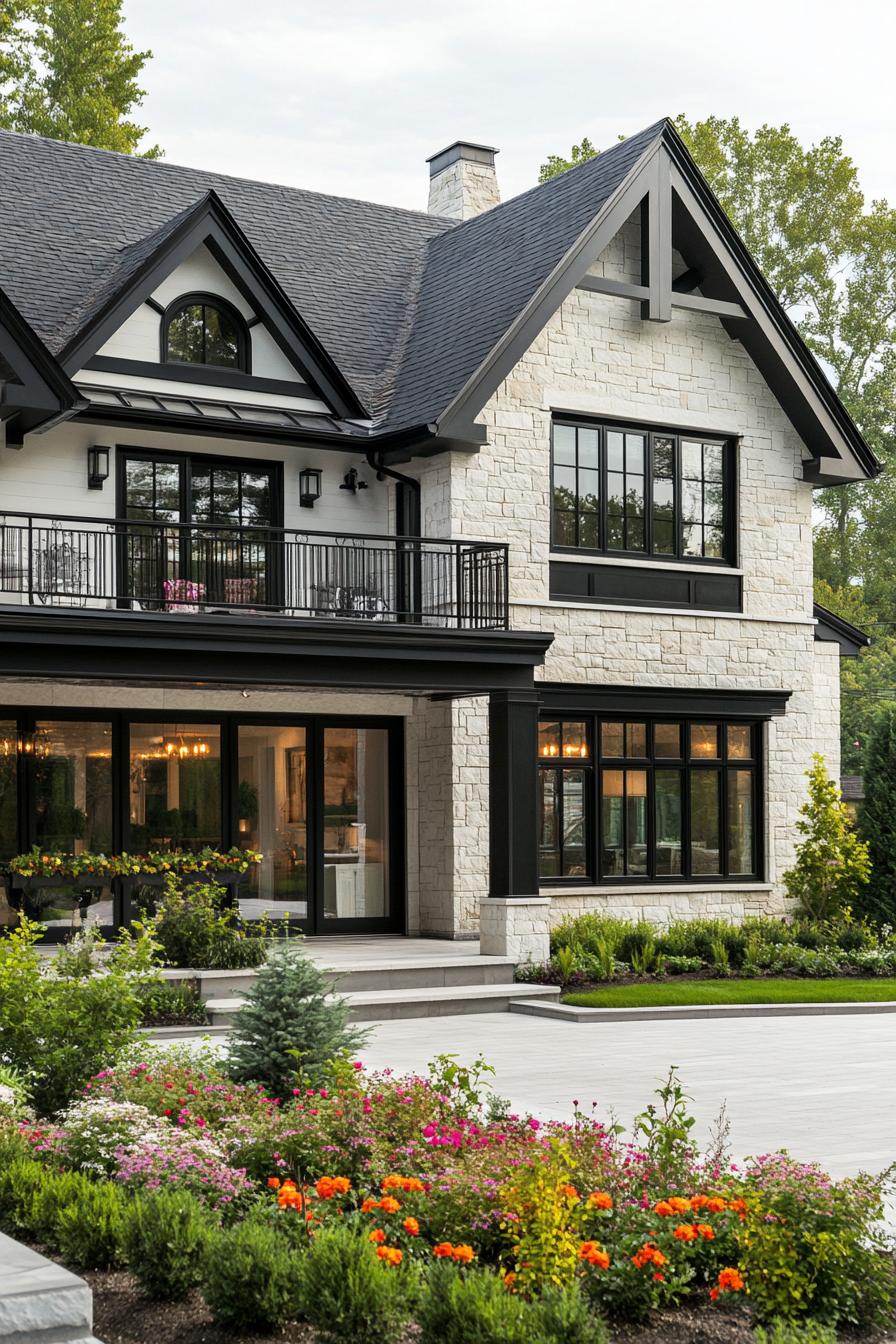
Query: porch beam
pixel 513 807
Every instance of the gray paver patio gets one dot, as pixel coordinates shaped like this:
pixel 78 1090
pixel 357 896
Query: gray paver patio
pixel 824 1087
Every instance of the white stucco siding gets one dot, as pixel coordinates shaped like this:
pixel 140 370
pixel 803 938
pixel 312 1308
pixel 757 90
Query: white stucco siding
pixel 49 475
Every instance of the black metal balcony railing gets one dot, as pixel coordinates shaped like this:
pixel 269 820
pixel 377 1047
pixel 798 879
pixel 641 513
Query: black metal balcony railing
pixel 188 568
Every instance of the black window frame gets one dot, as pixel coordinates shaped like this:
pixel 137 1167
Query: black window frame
pixel 688 766
pixel 648 554
pixel 206 300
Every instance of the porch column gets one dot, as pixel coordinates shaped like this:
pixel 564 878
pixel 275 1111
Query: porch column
pixel 513 917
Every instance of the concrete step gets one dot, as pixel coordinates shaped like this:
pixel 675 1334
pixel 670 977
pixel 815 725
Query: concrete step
pixel 363 977
pixel 430 1001
pixel 40 1302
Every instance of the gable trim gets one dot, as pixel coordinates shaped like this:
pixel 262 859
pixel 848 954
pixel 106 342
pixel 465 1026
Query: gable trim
pixel 211 224
pixel 838 453
pixel 456 419
pixel 198 373
pixel 42 394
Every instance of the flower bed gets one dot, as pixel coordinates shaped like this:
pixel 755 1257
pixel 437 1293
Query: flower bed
pixel 36 866
pixel 423 1196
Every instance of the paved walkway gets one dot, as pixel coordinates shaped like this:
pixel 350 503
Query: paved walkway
pixel 824 1087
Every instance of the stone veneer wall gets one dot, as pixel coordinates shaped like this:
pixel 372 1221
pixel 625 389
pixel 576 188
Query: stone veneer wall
pixel 596 356
pixel 463 189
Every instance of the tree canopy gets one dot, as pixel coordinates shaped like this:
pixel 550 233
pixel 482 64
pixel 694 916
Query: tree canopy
pixel 830 256
pixel 67 71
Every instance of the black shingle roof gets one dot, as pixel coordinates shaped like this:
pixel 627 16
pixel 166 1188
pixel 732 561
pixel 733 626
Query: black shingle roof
pixel 77 222
pixel 406 304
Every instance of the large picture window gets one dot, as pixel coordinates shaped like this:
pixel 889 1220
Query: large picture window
pixel 625 799
pixel 640 492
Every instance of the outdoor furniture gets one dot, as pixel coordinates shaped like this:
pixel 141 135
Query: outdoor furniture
pixel 183 595
pixel 240 592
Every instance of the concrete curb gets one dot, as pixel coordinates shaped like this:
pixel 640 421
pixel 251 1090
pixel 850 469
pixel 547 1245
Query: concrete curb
pixel 566 1012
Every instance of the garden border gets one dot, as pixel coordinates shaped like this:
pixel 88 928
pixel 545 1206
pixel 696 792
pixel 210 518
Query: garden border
pixel 568 1012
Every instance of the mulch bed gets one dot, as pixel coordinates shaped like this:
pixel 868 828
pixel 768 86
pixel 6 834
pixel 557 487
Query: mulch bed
pixel 122 1315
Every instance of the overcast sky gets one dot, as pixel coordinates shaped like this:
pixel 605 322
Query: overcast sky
pixel 351 97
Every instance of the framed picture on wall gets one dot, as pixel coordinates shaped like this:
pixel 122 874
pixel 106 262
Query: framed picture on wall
pixel 295 785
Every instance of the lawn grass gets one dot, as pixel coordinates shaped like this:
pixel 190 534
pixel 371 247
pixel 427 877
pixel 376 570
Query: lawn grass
pixel 680 993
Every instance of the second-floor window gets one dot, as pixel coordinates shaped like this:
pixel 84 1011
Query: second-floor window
pixel 200 329
pixel 641 492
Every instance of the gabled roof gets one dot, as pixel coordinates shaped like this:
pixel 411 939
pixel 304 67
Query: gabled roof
pixel 143 266
pixel 412 319
pixel 34 391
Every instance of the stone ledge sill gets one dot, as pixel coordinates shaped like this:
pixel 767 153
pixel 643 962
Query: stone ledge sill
pixel 654 889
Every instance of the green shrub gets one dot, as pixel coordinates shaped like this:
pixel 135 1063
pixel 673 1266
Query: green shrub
pixel 563 1316
pixel 587 931
pixel 682 965
pixel 832 867
pixel 167 1004
pixel 472 1307
pixel 812 1249
pixel 195 926
pixel 58 1030
pixel 289 1024
pixel 351 1296
pixel 59 1190
pixel 89 1229
pixel 20 1180
pixel 704 938
pixel 164 1239
pixel 251 1278
pixel 792 1332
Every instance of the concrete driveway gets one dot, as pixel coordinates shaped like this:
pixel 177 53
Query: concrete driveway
pixel 823 1087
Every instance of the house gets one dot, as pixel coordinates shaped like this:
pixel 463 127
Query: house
pixel 459 562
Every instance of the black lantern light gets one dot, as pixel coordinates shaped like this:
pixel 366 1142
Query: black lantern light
pixel 97 467
pixel 309 486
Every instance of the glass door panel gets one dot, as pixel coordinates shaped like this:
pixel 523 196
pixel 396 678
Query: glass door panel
pixel 233 558
pixel 175 786
pixel 9 754
pixel 272 817
pixel 70 767
pixel 355 824
pixel 153 560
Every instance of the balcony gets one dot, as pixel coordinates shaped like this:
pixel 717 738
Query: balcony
pixel 184 570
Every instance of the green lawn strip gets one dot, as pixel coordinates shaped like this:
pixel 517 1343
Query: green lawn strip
pixel 681 993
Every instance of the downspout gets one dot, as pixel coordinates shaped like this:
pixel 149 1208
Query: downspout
pixel 375 462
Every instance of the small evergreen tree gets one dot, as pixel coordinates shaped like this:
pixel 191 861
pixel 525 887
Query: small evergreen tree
pixel 289 1024
pixel 832 865
pixel 877 819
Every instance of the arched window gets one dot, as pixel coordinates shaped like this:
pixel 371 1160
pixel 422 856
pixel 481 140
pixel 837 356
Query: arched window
pixel 203 329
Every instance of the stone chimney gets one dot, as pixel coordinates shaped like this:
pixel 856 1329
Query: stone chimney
pixel 462 180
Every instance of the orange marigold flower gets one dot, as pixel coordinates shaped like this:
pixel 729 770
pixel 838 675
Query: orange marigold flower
pixel 409 1184
pixel 570 1192
pixel 738 1206
pixel 699 1202
pixel 648 1255
pixel 443 1251
pixel 658 1258
pixel 730 1281
pixel 599 1199
pixel 509 1279
pixel 659 1278
pixel 463 1254
pixel 328 1186
pixel 593 1254
pixel 704 1230
pixel 369 1204
pixel 679 1205
pixel 713 1294
pixel 288 1197
pixel 411 1226
pixel 377 1236
pixel 389 1204
pixel 273 1183
pixel 663 1208
pixel 685 1232
pixel 716 1205
pixel 391 1254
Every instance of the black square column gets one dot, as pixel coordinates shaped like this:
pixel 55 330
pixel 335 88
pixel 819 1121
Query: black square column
pixel 513 810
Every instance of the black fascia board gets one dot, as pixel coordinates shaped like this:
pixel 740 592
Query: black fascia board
pixel 570 697
pixel 43 393
pixel 210 223
pixel 850 638
pixel 769 301
pixel 243 650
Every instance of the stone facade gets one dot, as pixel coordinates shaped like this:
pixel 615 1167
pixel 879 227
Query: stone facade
pixel 463 189
pixel 596 356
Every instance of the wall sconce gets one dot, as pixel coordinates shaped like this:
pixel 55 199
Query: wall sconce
pixel 309 486
pixel 97 467
pixel 350 481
